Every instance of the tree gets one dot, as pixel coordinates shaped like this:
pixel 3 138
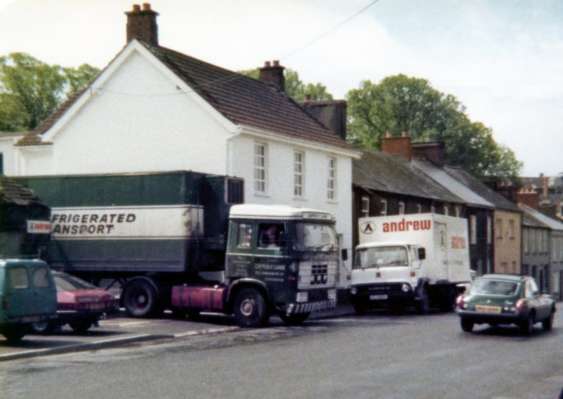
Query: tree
pixel 297 89
pixel 30 90
pixel 405 104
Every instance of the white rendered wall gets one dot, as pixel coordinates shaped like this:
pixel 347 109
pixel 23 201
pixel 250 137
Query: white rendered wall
pixel 8 153
pixel 138 122
pixel 280 183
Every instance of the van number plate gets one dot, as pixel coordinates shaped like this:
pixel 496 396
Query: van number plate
pixel 377 297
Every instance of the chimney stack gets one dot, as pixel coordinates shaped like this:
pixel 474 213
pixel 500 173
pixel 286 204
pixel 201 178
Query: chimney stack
pixel 431 151
pixel 400 146
pixel 141 24
pixel 272 72
pixel 331 113
pixel 544 185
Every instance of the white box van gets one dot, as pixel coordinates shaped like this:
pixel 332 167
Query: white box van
pixel 420 259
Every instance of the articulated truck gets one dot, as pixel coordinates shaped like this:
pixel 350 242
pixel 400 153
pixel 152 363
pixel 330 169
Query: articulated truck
pixel 185 241
pixel 420 259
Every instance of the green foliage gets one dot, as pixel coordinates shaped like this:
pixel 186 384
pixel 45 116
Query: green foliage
pixel 30 90
pixel 296 88
pixel 405 104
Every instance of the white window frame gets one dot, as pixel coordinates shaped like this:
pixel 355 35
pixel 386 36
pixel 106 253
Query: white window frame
pixel 384 209
pixel 473 229
pixel 489 230
pixel 299 174
pixel 446 210
pixel 260 185
pixel 457 210
pixel 419 208
pixel 432 208
pixel 331 183
pixel 364 206
pixel 402 207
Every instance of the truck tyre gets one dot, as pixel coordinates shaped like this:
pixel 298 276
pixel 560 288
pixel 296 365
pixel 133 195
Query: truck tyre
pixel 294 319
pixel 250 308
pixel 81 326
pixel 43 327
pixel 466 325
pixel 14 334
pixel 140 298
pixel 423 303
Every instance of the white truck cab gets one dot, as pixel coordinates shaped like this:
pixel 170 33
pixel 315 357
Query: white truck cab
pixel 418 259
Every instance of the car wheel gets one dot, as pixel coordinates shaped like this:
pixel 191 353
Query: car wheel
pixel 361 308
pixel 547 324
pixel 140 299
pixel 423 303
pixel 527 326
pixel 43 327
pixel 250 308
pixel 467 325
pixel 15 334
pixel 294 319
pixel 81 326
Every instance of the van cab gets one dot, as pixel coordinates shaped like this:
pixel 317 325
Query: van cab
pixel 27 295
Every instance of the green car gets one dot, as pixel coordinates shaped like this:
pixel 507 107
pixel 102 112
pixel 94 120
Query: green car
pixel 505 299
pixel 27 295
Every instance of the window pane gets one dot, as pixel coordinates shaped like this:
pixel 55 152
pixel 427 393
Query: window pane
pixel 244 235
pixel 18 278
pixel 270 235
pixel 41 278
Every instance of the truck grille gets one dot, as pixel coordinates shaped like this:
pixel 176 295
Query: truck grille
pixel 316 275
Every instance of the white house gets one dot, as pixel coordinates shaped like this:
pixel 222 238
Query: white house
pixel 154 109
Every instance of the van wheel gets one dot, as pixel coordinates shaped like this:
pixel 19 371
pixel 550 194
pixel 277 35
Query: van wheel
pixel 250 308
pixel 547 324
pixel 423 303
pixel 80 327
pixel 527 326
pixel 14 335
pixel 294 319
pixel 140 298
pixel 43 327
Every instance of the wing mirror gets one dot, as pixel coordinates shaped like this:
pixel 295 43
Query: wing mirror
pixel 421 253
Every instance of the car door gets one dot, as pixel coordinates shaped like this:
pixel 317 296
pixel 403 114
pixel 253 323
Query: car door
pixel 19 296
pixel 44 291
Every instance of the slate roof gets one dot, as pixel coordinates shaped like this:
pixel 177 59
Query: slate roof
pixel 12 192
pixel 538 219
pixel 481 189
pixel 241 99
pixel 383 172
pixel 453 184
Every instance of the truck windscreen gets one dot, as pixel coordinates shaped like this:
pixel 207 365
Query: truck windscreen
pixel 315 237
pixel 390 256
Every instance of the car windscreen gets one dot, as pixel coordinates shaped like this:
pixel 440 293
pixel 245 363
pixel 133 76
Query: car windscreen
pixel 315 237
pixel 486 286
pixel 389 256
pixel 65 282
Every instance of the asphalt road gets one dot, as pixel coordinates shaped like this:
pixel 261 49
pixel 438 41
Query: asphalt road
pixel 377 356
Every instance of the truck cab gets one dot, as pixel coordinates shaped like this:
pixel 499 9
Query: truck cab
pixel 279 260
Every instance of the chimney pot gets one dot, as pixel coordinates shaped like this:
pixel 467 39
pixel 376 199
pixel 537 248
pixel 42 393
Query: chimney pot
pixel 276 63
pixel 136 8
pixel 273 74
pixel 267 64
pixel 146 6
pixel 141 24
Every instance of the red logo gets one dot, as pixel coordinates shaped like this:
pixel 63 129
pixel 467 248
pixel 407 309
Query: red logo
pixel 404 225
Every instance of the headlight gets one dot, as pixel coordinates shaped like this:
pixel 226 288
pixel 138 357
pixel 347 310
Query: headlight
pixel 302 296
pixel 332 295
pixel 353 290
pixel 405 288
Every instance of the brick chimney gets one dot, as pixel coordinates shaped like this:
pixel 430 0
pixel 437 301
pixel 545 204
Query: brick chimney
pixel 544 186
pixel 431 151
pixel 400 146
pixel 272 72
pixel 331 114
pixel 528 196
pixel 141 24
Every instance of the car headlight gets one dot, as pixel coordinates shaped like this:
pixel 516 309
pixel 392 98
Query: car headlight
pixel 353 290
pixel 302 296
pixel 405 288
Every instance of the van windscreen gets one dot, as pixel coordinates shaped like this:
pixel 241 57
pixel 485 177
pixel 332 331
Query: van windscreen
pixel 390 256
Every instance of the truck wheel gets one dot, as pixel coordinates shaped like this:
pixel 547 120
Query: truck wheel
pixel 81 326
pixel 140 298
pixel 423 303
pixel 547 324
pixel 14 335
pixel 466 325
pixel 294 319
pixel 43 327
pixel 250 308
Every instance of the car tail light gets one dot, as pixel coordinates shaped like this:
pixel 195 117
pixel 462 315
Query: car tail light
pixel 521 305
pixel 460 302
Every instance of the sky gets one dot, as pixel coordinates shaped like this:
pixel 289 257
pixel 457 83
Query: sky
pixel 503 59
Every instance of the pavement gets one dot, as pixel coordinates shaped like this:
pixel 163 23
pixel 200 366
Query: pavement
pixel 121 330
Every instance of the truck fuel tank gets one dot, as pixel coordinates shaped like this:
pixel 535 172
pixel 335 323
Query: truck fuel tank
pixel 199 297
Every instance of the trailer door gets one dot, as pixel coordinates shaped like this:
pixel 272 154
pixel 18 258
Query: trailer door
pixel 441 246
